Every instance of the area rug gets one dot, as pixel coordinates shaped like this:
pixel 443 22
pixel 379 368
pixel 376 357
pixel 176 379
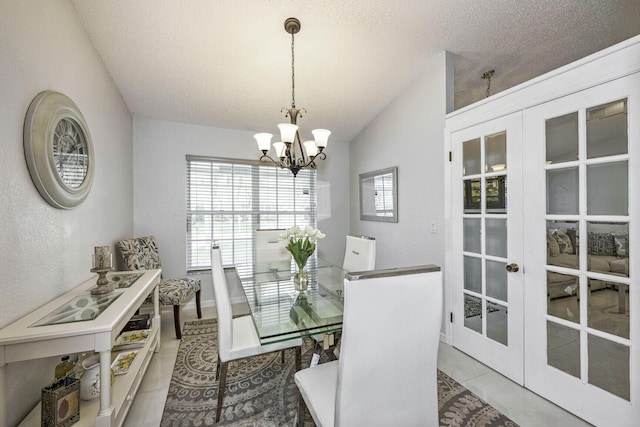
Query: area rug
pixel 261 391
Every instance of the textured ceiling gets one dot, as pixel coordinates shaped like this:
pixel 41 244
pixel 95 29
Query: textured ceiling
pixel 228 63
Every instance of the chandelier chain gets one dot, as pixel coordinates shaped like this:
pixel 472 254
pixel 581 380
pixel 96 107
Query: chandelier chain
pixel 293 72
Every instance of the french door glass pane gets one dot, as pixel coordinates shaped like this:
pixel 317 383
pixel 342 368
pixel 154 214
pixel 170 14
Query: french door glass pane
pixel 497 325
pixel 609 307
pixel 607 192
pixel 496 237
pixel 496 194
pixel 607 129
pixel 562 191
pixel 471 157
pixel 471 195
pixel 471 235
pixel 562 296
pixel 562 138
pixel 497 280
pixel 473 313
pixel 563 348
pixel 608 247
pixel 473 274
pixel 496 152
pixel 563 245
pixel 609 366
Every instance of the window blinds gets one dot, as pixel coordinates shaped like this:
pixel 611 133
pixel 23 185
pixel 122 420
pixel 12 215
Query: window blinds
pixel 227 200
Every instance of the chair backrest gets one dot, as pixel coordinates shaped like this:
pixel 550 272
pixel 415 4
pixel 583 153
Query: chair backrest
pixel 223 304
pixel 387 371
pixel 271 251
pixel 140 253
pixel 360 253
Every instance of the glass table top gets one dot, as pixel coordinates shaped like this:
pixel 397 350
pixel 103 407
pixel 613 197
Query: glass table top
pixel 280 312
pixel 81 308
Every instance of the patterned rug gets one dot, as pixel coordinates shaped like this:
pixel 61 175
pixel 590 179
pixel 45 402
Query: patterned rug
pixel 261 391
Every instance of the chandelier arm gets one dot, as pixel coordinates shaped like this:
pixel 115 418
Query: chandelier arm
pixel 312 160
pixel 264 157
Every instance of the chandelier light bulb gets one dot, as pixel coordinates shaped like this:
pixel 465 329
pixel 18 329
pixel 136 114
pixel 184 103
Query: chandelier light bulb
pixel 322 137
pixel 263 140
pixel 280 149
pixel 288 132
pixel 311 148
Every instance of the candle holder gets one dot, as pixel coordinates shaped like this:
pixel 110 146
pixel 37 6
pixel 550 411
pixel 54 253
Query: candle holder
pixel 103 284
pixel 102 262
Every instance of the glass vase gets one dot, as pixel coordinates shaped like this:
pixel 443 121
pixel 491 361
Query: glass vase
pixel 301 279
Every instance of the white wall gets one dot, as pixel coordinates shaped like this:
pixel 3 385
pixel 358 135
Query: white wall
pixel 408 134
pixel 46 251
pixel 159 173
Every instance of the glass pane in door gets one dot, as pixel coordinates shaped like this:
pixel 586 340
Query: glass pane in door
pixel 497 280
pixel 496 194
pixel 562 139
pixel 608 304
pixel 496 237
pixel 471 194
pixel 609 365
pixel 607 192
pixel 563 348
pixel 496 152
pixel 471 163
pixel 471 235
pixel 563 291
pixel 497 324
pixel 473 274
pixel 608 247
pixel 607 129
pixel 473 313
pixel 562 191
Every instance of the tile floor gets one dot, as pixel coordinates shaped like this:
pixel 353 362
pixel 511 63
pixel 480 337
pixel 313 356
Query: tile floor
pixel 523 407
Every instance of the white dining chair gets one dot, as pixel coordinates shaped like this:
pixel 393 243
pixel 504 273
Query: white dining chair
pixel 387 371
pixel 237 337
pixel 360 253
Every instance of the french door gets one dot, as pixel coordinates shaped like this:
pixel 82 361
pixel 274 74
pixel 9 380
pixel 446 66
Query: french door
pixel 582 296
pixel 487 215
pixel 545 214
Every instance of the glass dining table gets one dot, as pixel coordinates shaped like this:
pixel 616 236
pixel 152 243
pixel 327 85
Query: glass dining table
pixel 280 312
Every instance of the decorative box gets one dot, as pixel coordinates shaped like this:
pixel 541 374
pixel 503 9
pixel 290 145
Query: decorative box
pixel 61 403
pixel 138 322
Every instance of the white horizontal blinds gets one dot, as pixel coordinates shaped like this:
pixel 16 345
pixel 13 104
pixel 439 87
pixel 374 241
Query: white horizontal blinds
pixel 227 201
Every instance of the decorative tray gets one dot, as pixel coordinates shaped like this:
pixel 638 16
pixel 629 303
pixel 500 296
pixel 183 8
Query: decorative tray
pixel 131 339
pixel 122 363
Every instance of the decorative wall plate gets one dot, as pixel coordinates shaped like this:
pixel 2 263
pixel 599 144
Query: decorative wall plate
pixel 58 149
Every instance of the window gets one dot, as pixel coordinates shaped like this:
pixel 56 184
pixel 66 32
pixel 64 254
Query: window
pixel 227 200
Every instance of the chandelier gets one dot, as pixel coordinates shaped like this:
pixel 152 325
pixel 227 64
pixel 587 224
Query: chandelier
pixel 289 152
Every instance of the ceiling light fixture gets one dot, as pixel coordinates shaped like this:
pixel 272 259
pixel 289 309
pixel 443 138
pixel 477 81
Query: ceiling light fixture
pixel 290 153
pixel 487 76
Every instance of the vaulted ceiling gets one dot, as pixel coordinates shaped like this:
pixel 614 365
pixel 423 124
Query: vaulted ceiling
pixel 228 63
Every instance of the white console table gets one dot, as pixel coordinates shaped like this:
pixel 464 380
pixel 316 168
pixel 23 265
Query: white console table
pixel 79 322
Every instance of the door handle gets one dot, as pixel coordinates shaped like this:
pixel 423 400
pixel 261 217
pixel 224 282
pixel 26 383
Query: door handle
pixel 512 268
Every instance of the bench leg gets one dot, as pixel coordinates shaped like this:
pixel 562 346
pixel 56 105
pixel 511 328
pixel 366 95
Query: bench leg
pixel 176 321
pixel 198 306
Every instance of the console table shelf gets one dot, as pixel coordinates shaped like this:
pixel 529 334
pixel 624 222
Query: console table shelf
pixel 78 322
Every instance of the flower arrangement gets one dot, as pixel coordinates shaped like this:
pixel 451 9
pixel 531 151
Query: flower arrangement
pixel 301 243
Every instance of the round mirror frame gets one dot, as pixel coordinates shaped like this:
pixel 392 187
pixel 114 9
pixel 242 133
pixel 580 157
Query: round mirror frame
pixel 47 110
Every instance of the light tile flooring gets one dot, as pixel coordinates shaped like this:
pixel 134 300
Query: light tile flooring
pixel 523 407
